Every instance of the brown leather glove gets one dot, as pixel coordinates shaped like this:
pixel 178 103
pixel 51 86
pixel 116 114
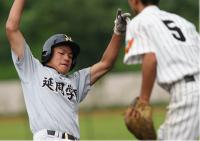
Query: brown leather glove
pixel 138 120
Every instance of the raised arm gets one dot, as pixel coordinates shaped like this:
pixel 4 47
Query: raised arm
pixel 108 59
pixel 14 35
pixel 112 51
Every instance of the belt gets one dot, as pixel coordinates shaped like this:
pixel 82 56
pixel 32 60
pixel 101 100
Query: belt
pixel 189 78
pixel 64 135
pixel 186 79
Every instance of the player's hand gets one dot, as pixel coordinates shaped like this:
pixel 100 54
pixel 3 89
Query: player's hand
pixel 121 21
pixel 138 120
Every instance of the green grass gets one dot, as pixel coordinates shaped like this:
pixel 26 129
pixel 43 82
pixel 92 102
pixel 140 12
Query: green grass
pixel 104 125
pixel 14 128
pixel 101 124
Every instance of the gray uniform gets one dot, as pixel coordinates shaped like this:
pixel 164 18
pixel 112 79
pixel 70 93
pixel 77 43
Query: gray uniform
pixel 51 98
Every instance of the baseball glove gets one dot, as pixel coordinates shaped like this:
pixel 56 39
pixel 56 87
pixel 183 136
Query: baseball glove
pixel 138 120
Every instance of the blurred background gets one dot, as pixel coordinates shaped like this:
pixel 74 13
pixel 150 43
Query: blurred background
pixel 90 23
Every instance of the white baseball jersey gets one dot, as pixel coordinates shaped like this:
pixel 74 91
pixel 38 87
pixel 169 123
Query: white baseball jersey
pixel 51 98
pixel 175 43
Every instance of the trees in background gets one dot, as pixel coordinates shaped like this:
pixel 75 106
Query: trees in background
pixel 89 22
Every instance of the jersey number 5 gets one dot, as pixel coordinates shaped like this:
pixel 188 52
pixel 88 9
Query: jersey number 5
pixel 172 27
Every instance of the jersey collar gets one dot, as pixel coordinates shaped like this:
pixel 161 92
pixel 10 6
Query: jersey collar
pixel 55 72
pixel 150 8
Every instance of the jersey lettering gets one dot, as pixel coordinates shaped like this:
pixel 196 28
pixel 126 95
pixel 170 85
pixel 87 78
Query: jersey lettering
pixel 70 92
pixel 48 83
pixel 60 87
pixel 65 90
pixel 172 27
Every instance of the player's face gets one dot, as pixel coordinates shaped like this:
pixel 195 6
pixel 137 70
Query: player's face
pixel 61 59
pixel 133 5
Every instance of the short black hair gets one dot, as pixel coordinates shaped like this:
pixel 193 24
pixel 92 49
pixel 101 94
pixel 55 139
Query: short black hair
pixel 147 2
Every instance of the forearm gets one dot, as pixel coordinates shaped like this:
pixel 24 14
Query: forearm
pixel 14 35
pixel 112 51
pixel 108 59
pixel 148 76
pixel 110 55
pixel 14 17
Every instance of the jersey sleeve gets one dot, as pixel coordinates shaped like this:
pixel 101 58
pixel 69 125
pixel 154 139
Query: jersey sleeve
pixel 26 67
pixel 83 81
pixel 138 43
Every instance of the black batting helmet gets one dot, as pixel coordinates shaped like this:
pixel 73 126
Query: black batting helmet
pixel 56 40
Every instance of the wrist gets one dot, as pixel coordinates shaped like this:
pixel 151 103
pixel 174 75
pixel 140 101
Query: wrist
pixel 144 99
pixel 117 33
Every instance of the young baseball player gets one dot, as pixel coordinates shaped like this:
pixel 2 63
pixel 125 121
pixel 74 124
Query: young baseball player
pixel 51 95
pixel 167 45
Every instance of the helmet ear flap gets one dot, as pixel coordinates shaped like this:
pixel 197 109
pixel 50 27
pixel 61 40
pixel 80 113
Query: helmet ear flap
pixel 46 56
pixel 44 52
pixel 73 63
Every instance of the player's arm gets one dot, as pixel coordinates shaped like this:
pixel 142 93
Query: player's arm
pixel 112 50
pixel 14 35
pixel 148 76
pixel 107 60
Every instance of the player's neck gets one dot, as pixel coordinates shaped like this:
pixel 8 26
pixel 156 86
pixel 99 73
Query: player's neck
pixel 142 7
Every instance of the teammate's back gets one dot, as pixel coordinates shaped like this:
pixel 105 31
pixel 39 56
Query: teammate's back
pixel 167 33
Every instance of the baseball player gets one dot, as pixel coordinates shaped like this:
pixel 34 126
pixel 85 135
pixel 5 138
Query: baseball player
pixel 167 45
pixel 51 94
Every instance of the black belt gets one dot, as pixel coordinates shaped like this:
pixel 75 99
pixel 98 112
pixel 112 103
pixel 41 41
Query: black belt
pixel 64 135
pixel 186 79
pixel 189 78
